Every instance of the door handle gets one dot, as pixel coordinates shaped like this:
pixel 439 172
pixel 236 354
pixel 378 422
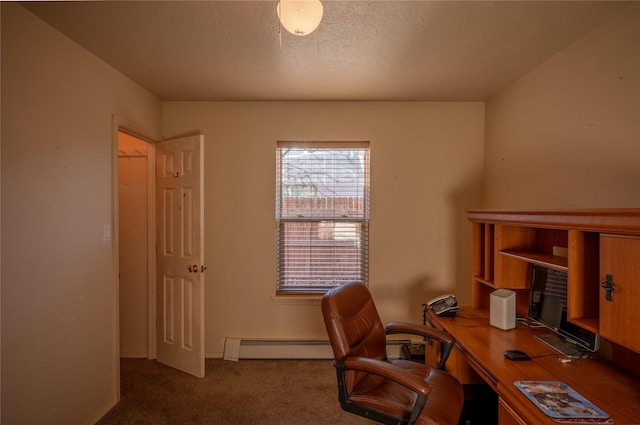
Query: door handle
pixel 194 268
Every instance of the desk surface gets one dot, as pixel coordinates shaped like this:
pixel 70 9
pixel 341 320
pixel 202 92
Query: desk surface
pixel 610 388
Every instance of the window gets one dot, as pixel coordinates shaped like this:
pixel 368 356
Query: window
pixel 322 213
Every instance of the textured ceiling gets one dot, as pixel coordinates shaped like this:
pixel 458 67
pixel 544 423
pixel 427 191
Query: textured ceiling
pixel 363 50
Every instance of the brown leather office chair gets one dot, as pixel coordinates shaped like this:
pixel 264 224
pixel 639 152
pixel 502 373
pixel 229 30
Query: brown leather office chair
pixel 373 386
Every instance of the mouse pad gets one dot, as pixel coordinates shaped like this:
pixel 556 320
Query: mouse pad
pixel 558 400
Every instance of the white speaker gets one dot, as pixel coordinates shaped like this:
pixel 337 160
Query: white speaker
pixel 502 309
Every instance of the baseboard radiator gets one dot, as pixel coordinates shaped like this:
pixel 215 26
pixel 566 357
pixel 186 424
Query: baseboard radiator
pixel 312 349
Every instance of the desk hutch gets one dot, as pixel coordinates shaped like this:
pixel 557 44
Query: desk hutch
pixel 599 249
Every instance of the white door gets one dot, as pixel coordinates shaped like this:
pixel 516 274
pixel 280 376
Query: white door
pixel 180 254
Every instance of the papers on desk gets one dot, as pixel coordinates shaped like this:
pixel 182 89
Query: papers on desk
pixel 562 403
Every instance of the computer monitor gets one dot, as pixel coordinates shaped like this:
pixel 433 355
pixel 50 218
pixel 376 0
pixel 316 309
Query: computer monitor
pixel 548 306
pixel 551 312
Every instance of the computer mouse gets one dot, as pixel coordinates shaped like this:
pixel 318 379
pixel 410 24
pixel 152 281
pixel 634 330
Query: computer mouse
pixel 516 355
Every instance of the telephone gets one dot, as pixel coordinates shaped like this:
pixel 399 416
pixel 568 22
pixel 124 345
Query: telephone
pixel 444 305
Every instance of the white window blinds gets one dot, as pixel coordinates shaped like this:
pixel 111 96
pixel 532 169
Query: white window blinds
pixel 322 212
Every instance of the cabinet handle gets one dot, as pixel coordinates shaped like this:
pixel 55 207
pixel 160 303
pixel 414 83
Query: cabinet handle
pixel 608 287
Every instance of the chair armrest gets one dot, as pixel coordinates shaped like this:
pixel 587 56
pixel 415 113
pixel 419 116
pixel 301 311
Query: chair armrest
pixel 389 371
pixel 447 340
pixel 421 330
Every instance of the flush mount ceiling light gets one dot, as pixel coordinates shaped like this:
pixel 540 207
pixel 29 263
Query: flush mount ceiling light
pixel 300 17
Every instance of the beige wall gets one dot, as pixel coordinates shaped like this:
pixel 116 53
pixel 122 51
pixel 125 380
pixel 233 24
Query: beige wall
pixel 568 133
pixel 59 310
pixel 426 169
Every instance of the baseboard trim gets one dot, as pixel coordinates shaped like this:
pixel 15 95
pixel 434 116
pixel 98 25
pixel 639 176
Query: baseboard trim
pixel 312 349
pixel 134 355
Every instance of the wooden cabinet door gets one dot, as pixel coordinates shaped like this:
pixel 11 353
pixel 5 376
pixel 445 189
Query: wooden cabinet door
pixel 619 315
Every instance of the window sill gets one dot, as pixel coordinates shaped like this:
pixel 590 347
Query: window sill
pixel 297 299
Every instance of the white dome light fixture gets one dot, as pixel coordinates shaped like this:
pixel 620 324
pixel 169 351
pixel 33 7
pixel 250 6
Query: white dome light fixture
pixel 300 17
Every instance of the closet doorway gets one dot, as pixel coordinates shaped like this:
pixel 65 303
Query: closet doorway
pixel 135 236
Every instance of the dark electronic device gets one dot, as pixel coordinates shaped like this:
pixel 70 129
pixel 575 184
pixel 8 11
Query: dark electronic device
pixel 516 355
pixel 445 305
pixel 548 306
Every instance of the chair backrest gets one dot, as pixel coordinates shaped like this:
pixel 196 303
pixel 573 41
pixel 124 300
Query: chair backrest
pixel 353 325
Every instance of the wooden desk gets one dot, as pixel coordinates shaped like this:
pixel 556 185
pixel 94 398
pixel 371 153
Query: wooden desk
pixel 482 345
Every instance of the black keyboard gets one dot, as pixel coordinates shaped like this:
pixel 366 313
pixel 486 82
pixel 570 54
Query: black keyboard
pixel 560 344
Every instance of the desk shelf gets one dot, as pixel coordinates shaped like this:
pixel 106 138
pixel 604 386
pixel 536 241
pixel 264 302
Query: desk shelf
pixel 592 324
pixel 538 258
pixel 482 281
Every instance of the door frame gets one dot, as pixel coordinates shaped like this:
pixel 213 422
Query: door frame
pixel 121 124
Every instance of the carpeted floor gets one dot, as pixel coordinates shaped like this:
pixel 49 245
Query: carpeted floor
pixel 263 392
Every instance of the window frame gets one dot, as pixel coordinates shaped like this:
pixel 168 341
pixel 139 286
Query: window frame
pixel 352 230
